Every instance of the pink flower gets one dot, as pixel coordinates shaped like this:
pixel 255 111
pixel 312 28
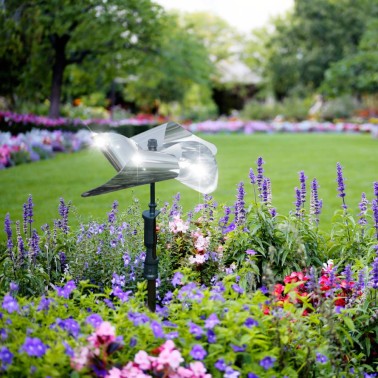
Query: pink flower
pixel 178 225
pixel 199 370
pixel 81 359
pixel 143 360
pixel 133 371
pixel 114 373
pixel 104 335
pixel 170 358
pixel 198 259
pixel 183 373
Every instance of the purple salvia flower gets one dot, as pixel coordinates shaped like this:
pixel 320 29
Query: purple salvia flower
pixel 63 261
pixel 34 245
pixel 264 191
pixel 376 189
pixel 8 231
pixel 361 279
pixel 374 274
pixel 312 282
pixel 269 191
pixel 63 212
pixel 224 220
pixel 298 203
pixel 175 209
pixel 363 205
pixel 252 176
pixel 197 352
pixel 260 173
pixel 374 207
pixel 20 243
pixel 239 205
pixel 340 184
pixel 315 204
pixel 25 218
pixel 113 212
pixel 34 347
pixel 302 180
pixel 348 276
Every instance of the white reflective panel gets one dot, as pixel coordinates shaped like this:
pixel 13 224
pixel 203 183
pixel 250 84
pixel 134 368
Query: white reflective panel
pixel 180 155
pixel 198 167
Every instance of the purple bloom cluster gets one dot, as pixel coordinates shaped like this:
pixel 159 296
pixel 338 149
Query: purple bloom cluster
pixel 94 320
pixel 63 212
pixel 190 291
pixel 267 362
pixel 10 304
pixel 374 274
pixel 363 205
pixel 8 231
pixel 6 358
pixel 302 180
pixel 198 352
pixel 34 347
pixel 71 326
pixel 321 358
pixel 66 290
pixel 260 173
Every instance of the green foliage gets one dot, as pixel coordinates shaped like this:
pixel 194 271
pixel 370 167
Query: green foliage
pixel 291 108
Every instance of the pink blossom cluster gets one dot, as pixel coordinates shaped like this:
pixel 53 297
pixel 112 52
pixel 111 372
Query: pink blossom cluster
pixel 99 341
pixel 166 363
pixel 177 225
pixel 165 360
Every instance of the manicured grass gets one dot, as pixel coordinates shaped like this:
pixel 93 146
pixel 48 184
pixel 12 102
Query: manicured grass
pixel 285 155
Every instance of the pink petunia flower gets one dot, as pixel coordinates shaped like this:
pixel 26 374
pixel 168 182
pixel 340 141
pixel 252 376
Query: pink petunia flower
pixel 104 335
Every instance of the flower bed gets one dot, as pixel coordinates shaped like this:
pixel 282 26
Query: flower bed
pixel 18 123
pixel 242 291
pixel 39 144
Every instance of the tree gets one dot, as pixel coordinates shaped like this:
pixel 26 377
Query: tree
pixel 356 74
pixel 182 61
pixel 111 34
pixel 306 42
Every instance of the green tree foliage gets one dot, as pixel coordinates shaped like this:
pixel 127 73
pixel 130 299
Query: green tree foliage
pixel 357 73
pixel 49 36
pixel 181 61
pixel 300 48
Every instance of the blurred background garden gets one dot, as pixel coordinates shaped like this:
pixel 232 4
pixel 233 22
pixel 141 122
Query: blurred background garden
pixel 300 91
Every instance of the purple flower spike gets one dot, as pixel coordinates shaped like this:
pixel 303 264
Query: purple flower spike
pixel 363 205
pixel 252 176
pixel 374 274
pixel 297 202
pixel 260 172
pixel 302 180
pixel 374 207
pixel 239 205
pixel 315 203
pixel 376 189
pixel 340 183
pixel 8 231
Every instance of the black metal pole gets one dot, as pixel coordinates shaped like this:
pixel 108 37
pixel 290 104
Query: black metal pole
pixel 150 240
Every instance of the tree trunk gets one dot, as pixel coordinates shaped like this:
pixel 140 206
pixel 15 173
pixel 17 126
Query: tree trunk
pixel 59 45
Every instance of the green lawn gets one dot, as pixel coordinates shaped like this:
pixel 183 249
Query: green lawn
pixel 285 155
